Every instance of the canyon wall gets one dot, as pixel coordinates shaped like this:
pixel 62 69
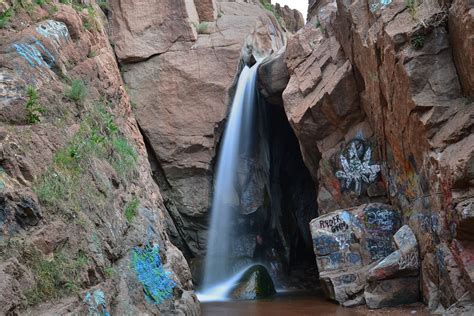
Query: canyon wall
pixel 380 99
pixel 82 222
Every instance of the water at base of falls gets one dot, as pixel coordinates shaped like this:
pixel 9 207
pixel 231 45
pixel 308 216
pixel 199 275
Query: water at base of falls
pixel 218 274
pixel 221 291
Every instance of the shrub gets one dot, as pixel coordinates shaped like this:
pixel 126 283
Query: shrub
pixel 55 278
pixel 70 184
pixel 131 209
pixel 418 41
pixel 412 5
pixel 78 91
pixel 5 17
pixel 33 108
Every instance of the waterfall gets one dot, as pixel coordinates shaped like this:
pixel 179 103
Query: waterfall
pixel 237 143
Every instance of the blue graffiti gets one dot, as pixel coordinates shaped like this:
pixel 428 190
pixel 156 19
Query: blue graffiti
pixel 97 305
pixel 35 54
pixel 157 284
pixel 377 4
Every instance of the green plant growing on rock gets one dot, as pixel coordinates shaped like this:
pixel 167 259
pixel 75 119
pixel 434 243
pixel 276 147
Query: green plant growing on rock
pixel 33 108
pixel 78 91
pixel 131 209
pixel 5 17
pixel 412 5
pixel 103 4
pixel 70 184
pixel 55 278
pixel 418 41
pixel 201 27
pixel 269 7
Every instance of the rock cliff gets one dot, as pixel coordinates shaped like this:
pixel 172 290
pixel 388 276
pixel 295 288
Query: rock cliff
pixel 82 223
pixel 380 99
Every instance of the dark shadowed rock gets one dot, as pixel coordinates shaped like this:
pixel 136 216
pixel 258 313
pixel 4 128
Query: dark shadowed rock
pixel 255 283
pixel 392 292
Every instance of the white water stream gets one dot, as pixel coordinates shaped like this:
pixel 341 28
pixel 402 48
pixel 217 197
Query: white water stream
pixel 218 273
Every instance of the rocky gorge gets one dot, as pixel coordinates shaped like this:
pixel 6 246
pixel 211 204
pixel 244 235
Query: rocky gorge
pixel 360 181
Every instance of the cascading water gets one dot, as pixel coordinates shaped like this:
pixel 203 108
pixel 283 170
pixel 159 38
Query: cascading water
pixel 237 142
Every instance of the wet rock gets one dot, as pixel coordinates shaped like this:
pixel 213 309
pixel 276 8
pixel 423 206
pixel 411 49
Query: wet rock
pixel 273 77
pixel 392 292
pixel 255 283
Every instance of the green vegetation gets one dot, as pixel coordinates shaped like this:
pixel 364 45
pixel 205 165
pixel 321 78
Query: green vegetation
pixel 418 41
pixel 75 182
pixel 268 6
pixel 412 5
pixel 103 4
pixel 33 108
pixel 110 272
pixel 92 54
pixel 90 22
pixel 78 91
pixel 55 278
pixel 131 209
pixel 40 2
pixel 5 17
pixel 201 27
pixel 65 1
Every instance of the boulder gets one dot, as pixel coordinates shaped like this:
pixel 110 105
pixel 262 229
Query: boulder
pixel 255 283
pixel 141 29
pixel 273 77
pixel 348 242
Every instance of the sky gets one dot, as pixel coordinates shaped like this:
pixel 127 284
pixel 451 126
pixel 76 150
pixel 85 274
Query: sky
pixel 300 5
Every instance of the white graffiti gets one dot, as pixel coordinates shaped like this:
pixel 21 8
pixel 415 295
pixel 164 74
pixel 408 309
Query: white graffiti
pixel 355 171
pixel 408 261
pixel 57 31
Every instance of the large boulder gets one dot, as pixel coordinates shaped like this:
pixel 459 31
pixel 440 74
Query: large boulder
pixel 255 283
pixel 347 242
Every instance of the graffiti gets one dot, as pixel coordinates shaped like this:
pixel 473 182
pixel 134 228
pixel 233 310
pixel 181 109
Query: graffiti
pixel 35 54
pixel 338 260
pixel 96 303
pixel 429 223
pixel 57 31
pixel 408 261
pixel 157 284
pixel 354 258
pixel 377 4
pixel 335 224
pixel 381 219
pixel 356 167
pixel 380 247
pixel 325 244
